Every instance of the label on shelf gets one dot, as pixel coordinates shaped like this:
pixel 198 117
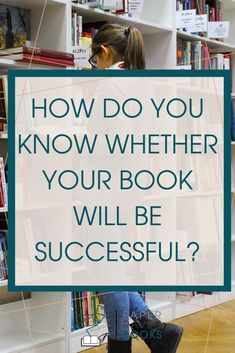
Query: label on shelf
pixel 201 24
pixel 185 19
pixel 218 29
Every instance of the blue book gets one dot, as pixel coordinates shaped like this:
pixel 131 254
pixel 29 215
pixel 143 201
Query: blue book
pixel 186 4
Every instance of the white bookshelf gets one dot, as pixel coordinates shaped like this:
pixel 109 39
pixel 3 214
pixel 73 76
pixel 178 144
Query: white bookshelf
pixel 214 45
pixel 42 323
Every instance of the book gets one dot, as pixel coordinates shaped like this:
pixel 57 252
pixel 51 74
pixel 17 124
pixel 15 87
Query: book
pixel 38 51
pixel 15 29
pixel 40 59
pixel 122 6
pixel 94 3
pixel 3 104
pixel 85 309
pixel 198 55
pixel 3 181
pixel 186 4
pixel 109 5
pixel 3 256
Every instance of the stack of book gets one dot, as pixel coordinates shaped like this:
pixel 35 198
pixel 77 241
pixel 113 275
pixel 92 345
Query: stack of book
pixel 198 55
pixel 3 256
pixel 3 104
pixel 38 56
pixel 3 184
pixel 86 310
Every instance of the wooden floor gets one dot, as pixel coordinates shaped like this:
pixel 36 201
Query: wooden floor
pixel 208 331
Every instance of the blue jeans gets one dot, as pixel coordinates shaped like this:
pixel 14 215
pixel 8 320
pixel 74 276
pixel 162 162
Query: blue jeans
pixel 118 306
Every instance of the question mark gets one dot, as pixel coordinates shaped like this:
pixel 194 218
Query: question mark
pixel 195 251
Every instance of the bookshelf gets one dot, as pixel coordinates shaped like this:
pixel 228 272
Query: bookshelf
pixel 41 322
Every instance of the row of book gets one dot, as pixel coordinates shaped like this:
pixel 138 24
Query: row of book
pixel 3 256
pixel 40 56
pixel 198 56
pixel 82 35
pixel 3 104
pixel 212 8
pixel 3 184
pixel 85 309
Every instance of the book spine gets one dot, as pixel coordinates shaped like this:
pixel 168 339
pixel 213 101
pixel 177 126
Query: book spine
pixel 124 8
pixel 45 60
pixel 86 311
pixel 186 4
pixel 75 29
pixel 48 52
pixel 1 194
pixel 3 180
pixel 72 312
pixel 79 30
pixel 217 10
pixel 1 262
pixel 212 14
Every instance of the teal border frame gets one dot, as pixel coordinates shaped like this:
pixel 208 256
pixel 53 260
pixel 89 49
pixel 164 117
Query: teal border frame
pixel 13 74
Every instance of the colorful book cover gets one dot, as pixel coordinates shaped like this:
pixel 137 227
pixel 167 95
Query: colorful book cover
pixel 15 26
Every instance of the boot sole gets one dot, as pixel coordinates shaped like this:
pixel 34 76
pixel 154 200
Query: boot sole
pixel 174 348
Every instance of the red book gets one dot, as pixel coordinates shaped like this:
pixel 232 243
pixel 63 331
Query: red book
pixel 48 52
pixel 206 56
pixel 85 300
pixel 1 194
pixel 212 14
pixel 46 60
pixel 124 8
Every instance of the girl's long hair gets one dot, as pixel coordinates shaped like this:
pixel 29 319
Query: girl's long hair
pixel 126 43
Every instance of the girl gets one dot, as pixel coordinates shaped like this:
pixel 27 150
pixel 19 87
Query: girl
pixel 118 47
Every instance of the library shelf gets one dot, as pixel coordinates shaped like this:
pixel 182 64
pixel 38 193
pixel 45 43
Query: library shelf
pixel 3 283
pixel 29 4
pixel 215 45
pixel 95 15
pixel 228 4
pixel 6 64
pixel 22 340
